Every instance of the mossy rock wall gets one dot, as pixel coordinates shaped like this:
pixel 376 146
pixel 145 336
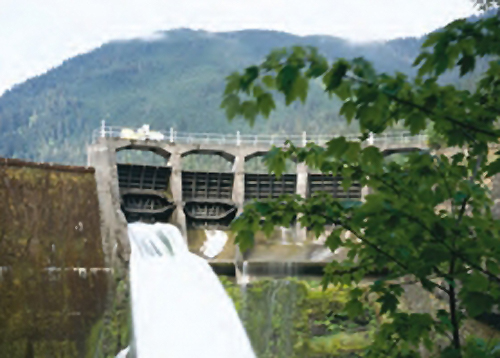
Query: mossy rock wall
pixel 58 299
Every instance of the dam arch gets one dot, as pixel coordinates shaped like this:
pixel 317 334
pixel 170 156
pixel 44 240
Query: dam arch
pixel 149 153
pixel 207 161
pixel 144 182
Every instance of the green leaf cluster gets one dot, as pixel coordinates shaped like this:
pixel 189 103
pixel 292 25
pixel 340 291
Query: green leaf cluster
pixel 427 218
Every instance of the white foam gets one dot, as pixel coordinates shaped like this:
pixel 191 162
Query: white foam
pixel 214 244
pixel 123 353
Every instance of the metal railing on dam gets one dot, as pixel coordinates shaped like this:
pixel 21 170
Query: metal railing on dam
pixel 237 139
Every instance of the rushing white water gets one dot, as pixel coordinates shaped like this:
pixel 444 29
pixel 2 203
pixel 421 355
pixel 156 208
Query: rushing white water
pixel 214 244
pixel 180 309
pixel 245 277
pixel 123 353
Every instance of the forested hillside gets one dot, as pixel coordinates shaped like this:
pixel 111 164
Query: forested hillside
pixel 176 80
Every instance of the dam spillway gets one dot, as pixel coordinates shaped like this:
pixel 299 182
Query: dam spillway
pixel 207 196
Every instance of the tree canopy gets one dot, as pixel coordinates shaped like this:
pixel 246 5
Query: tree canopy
pixel 428 219
pixel 486 4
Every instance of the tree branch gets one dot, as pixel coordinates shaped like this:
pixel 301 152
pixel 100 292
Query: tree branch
pixel 453 308
pixel 426 110
pixel 436 238
pixel 363 239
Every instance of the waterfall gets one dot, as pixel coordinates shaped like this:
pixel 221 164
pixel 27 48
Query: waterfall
pixel 269 314
pixel 179 307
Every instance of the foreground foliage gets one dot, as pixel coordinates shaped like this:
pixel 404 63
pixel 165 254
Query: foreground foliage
pixel 428 218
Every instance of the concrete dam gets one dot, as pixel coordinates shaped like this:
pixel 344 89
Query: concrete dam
pixel 199 201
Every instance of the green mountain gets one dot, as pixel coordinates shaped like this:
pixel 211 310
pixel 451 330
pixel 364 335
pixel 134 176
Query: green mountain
pixel 174 81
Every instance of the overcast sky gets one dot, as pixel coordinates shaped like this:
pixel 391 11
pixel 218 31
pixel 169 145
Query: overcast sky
pixel 36 35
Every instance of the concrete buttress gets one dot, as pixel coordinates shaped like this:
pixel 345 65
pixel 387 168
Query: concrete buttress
pixel 302 175
pixel 178 216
